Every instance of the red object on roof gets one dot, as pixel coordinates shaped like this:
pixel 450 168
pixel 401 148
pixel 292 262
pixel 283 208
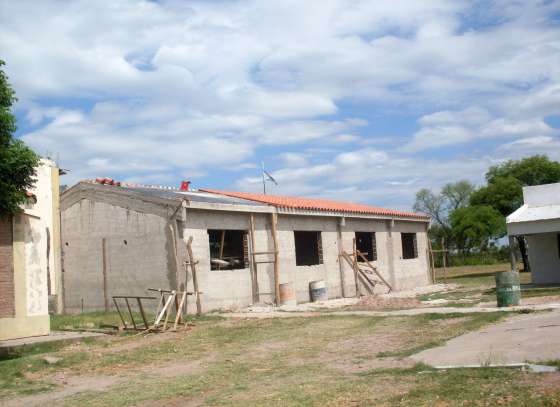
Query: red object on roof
pixel 316 204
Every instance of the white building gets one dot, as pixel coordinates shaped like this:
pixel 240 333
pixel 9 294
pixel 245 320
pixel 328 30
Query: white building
pixel 30 259
pixel 539 221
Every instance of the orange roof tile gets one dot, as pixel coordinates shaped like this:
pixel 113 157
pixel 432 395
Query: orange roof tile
pixel 316 204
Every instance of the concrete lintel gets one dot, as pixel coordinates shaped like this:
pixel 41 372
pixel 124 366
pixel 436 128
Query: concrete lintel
pixel 231 207
pixel 535 227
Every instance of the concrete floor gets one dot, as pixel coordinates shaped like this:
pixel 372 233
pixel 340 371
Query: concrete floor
pixel 521 338
pixel 54 336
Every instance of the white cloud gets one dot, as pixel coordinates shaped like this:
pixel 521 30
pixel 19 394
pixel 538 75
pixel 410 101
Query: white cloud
pixel 154 89
pixel 459 127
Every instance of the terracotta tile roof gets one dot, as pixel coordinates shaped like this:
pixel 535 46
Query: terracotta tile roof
pixel 317 204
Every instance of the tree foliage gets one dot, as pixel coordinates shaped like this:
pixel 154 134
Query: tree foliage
pixel 505 182
pixel 17 161
pixel 474 226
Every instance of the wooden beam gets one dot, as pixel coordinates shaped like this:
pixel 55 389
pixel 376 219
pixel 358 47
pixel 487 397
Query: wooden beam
pixel 221 254
pixel 444 260
pixel 104 265
pixel 340 265
pixel 274 221
pixel 253 268
pixel 355 267
pixel 192 263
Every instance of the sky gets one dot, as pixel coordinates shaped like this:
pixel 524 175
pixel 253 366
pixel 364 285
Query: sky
pixel 365 101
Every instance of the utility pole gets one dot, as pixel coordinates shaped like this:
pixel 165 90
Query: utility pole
pixel 263 179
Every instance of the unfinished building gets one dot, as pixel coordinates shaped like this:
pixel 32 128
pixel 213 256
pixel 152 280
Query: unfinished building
pixel 122 239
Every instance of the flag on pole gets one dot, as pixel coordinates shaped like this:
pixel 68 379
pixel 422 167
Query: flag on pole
pixel 270 177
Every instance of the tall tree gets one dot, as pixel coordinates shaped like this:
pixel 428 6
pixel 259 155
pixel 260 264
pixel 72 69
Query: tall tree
pixel 504 186
pixel 452 196
pixel 17 161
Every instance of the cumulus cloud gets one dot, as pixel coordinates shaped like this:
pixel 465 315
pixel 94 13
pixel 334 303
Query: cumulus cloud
pixel 157 90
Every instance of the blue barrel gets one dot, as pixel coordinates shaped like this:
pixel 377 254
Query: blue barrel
pixel 318 290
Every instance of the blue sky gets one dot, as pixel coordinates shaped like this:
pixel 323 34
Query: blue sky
pixel 353 100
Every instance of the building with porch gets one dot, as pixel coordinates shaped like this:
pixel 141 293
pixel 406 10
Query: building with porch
pixel 539 221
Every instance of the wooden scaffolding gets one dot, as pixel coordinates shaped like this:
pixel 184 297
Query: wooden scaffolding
pixel 364 271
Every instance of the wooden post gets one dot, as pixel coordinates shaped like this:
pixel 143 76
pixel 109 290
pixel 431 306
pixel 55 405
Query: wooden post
pixel 253 268
pixel 274 221
pixel 221 254
pixel 104 261
pixel 355 267
pixel 194 277
pixel 340 243
pixel 444 260
pixel 431 260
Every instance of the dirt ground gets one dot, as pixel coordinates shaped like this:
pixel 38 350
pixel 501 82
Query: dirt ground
pixel 321 355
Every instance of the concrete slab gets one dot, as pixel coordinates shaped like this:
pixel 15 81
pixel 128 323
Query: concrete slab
pixel 304 311
pixel 55 336
pixel 521 338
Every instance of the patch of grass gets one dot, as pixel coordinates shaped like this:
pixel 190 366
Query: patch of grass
pixel 539 292
pixel 555 362
pixel 99 319
pixel 474 387
pixel 284 361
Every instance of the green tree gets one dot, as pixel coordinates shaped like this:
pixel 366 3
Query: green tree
pixel 17 161
pixel 504 186
pixel 475 226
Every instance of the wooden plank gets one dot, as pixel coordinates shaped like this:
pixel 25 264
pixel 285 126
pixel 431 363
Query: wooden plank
pixel 374 269
pixel 180 310
pixel 355 266
pixel 274 221
pixel 221 254
pixel 340 265
pixel 253 268
pixel 173 297
pixel 444 260
pixel 194 276
pixel 104 265
pixel 163 310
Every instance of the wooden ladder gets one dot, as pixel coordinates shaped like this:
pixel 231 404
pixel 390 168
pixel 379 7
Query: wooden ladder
pixel 364 271
pixel 272 258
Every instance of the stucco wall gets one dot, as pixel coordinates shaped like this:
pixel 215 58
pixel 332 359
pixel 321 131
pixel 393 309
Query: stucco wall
pixel 32 258
pixel 544 258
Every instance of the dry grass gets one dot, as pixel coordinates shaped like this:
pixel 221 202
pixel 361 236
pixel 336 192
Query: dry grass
pixel 325 360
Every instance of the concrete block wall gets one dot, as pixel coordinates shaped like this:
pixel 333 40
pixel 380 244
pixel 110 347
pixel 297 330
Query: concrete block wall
pixel 147 258
pixel 139 254
pixel 303 275
pixel 227 288
pixel 410 273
